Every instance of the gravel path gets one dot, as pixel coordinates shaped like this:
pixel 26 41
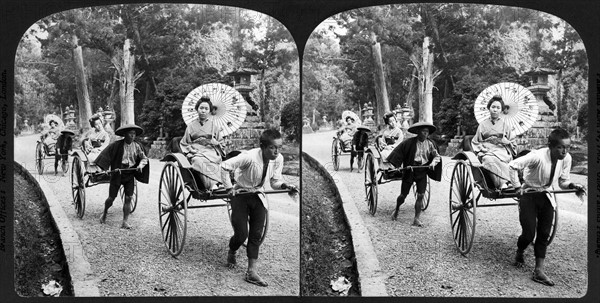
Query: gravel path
pixel 425 262
pixel 136 263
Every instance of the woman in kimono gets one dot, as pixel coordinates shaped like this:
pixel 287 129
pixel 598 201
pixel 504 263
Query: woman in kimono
pixel 50 136
pixel 96 140
pixel 493 144
pixel 391 135
pixel 202 142
pixel 346 133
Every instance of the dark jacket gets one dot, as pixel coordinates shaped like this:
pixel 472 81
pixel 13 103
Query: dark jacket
pixel 112 156
pixel 360 139
pixel 404 155
pixel 64 144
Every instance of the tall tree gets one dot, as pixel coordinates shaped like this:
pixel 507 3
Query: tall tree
pixel 85 107
pixel 127 79
pixel 383 103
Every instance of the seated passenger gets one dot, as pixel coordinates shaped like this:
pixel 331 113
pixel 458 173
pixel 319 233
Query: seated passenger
pixel 391 135
pixel 201 143
pixel 50 136
pixel 493 144
pixel 95 140
pixel 346 133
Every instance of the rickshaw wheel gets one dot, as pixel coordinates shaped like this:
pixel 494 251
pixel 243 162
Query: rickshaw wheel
pixel 39 157
pixel 172 208
pixel 335 154
pixel 371 183
pixel 78 186
pixel 462 207
pixel 426 196
pixel 134 197
pixel 265 225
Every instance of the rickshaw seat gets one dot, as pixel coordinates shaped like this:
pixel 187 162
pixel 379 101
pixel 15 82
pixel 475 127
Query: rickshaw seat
pixel 174 146
pixel 467 144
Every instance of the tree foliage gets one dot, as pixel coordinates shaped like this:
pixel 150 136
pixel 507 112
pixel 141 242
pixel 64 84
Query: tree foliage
pixel 176 48
pixel 475 46
pixel 289 121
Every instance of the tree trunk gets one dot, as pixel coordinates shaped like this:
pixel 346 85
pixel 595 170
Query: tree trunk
pixel 145 61
pixel 264 96
pixel 411 89
pixel 426 104
pixel 559 95
pixel 436 35
pixel 383 104
pixel 127 86
pixel 83 97
pixel 113 91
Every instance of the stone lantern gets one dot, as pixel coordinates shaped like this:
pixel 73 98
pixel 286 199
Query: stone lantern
pixel 70 118
pixel 539 87
pixel 109 119
pixel 407 117
pixel 306 129
pixel 26 127
pixel 537 135
pixel 367 114
pixel 244 80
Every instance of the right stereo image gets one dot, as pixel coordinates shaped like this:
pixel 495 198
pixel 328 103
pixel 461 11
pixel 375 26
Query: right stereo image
pixel 444 154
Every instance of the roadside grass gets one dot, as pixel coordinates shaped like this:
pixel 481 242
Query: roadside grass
pixel 326 243
pixel 37 245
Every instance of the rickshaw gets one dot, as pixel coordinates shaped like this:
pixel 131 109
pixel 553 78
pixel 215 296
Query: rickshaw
pixel 180 186
pixel 378 172
pixel 338 147
pixel 47 152
pixel 470 180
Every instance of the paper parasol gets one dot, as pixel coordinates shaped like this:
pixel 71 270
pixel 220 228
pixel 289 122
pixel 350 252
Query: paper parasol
pixel 521 108
pixel 54 117
pixel 229 106
pixel 349 113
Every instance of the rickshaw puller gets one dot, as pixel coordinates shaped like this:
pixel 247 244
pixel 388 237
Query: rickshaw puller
pixel 541 169
pixel 252 169
pixel 123 154
pixel 417 151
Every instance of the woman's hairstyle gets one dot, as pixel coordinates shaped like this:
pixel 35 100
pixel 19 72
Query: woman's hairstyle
pixel 93 120
pixel 349 117
pixel 204 99
pixel 268 136
pixel 52 121
pixel 496 99
pixel 557 135
pixel 386 117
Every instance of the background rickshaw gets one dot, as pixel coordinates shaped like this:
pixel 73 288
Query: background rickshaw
pixel 180 187
pixel 378 172
pixel 85 175
pixel 470 180
pixel 338 148
pixel 45 152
